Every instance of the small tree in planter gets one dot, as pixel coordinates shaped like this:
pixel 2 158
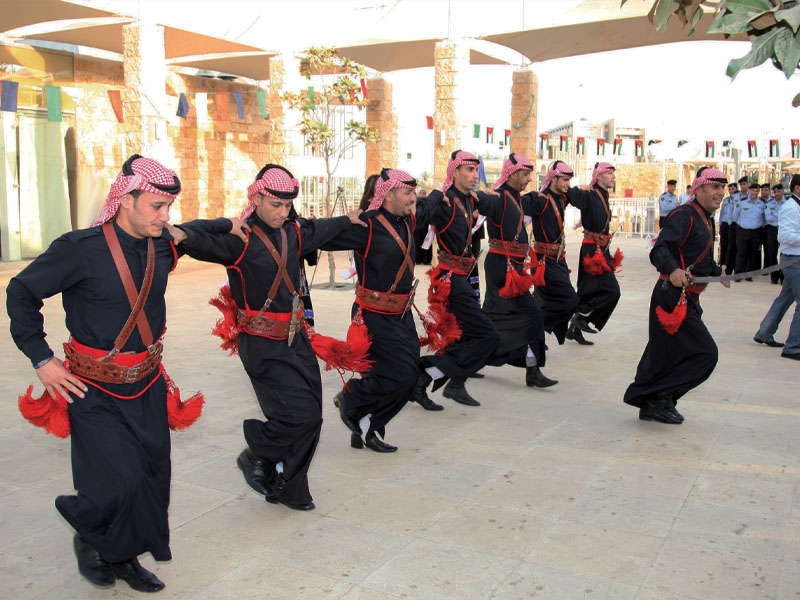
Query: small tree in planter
pixel 337 83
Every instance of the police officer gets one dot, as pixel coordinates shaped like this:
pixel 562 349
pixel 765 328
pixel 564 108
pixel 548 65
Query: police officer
pixel 667 202
pixel 763 197
pixel 725 220
pixel 684 198
pixel 750 221
pixel 742 194
pixel 771 216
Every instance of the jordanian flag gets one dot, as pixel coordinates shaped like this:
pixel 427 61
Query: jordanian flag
pixel 774 149
pixel 752 149
pixel 682 143
pixel 580 145
pixel 710 149
pixel 543 136
pixel 564 145
pixel 618 146
pixel 639 146
pixel 601 146
pixel 795 148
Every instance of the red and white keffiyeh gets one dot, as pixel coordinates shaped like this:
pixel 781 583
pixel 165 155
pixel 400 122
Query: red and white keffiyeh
pixel 514 163
pixel 458 158
pixel 705 176
pixel 138 173
pixel 273 181
pixel 390 179
pixel 558 169
pixel 602 167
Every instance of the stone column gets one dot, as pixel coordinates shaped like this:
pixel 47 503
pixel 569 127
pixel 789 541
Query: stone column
pixel 380 116
pixel 276 124
pixel 524 98
pixel 451 63
pixel 144 96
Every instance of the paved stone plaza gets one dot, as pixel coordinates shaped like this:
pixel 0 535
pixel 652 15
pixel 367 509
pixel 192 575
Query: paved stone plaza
pixel 560 493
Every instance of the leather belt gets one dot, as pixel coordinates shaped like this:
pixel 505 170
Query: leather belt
pixel 383 302
pixel 600 239
pixel 551 250
pixel 460 265
pixel 272 325
pixel 695 288
pixel 125 367
pixel 512 248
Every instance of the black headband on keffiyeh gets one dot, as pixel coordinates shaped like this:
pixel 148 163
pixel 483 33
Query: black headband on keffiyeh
pixel 600 168
pixel 138 173
pixel 514 163
pixel 273 181
pixel 558 169
pixel 704 176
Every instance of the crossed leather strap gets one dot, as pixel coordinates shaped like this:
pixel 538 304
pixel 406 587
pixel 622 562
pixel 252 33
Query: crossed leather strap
pixel 137 301
pixel 280 260
pixel 407 262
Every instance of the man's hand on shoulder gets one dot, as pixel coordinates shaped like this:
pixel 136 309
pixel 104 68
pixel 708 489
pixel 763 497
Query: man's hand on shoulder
pixel 355 217
pixel 238 228
pixel 178 234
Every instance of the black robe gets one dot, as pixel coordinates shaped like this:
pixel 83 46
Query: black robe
pixel 479 337
pixel 597 294
pixel 285 378
pixel 384 390
pixel 120 448
pixel 557 297
pixel 680 362
pixel 518 320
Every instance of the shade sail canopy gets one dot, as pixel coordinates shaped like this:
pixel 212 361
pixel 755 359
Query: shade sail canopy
pixel 177 42
pixel 601 26
pixel 395 56
pixel 253 65
pixel 21 13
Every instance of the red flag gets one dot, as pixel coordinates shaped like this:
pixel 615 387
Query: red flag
pixel 364 88
pixel 116 104
pixel 429 121
pixel 221 106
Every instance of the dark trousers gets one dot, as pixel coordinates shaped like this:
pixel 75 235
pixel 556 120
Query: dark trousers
pixel 748 243
pixel 771 257
pixel 730 253
pixel 557 298
pixel 661 221
pixel 724 236
pixel 598 294
pixel 475 277
pixel 289 391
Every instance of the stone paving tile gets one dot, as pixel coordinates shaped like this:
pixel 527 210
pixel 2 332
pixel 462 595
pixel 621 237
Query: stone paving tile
pixel 536 493
pixel 545 583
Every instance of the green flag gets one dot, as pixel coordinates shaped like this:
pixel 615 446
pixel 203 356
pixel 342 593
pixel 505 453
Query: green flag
pixel 262 103
pixel 52 94
pixel 476 131
pixel 311 93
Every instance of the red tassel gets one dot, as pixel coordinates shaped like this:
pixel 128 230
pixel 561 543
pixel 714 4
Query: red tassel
pixel 538 273
pixel 181 415
pixel 350 355
pixel 226 328
pixel 671 321
pixel 616 260
pixel 516 283
pixel 441 328
pixel 596 264
pixel 439 290
pixel 50 414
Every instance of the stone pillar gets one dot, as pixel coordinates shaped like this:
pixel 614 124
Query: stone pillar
pixel 524 98
pixel 144 96
pixel 451 63
pixel 276 124
pixel 382 153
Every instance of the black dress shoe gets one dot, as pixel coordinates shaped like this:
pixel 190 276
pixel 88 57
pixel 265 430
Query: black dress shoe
pixel 455 390
pixel 356 441
pixel 770 343
pixel 136 576
pixel 277 496
pixel 573 333
pixel 374 443
pixel 349 420
pixel 420 396
pixel 582 324
pixel 253 469
pixel 477 375
pixel 91 565
pixel 792 356
pixel 661 408
pixel 535 378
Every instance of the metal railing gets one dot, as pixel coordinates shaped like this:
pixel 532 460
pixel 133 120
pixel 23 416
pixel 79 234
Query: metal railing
pixel 345 195
pixel 634 217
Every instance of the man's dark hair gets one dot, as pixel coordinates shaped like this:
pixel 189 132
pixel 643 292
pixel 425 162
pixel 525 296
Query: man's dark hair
pixel 795 182
pixel 136 193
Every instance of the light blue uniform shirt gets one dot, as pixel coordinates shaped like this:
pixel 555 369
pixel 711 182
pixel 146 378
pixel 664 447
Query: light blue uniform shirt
pixel 667 203
pixel 751 214
pixel 726 210
pixel 684 198
pixel 773 210
pixel 737 202
pixel 789 226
